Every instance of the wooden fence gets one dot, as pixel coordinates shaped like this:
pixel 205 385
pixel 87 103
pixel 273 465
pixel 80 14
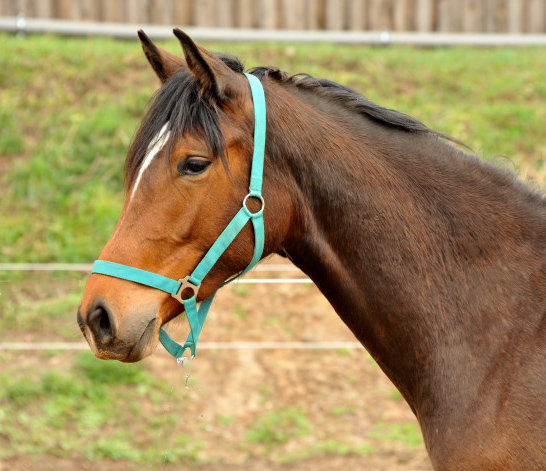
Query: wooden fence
pixel 487 16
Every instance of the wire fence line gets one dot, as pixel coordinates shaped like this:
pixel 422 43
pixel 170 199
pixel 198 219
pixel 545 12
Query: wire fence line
pixel 343 345
pixel 86 267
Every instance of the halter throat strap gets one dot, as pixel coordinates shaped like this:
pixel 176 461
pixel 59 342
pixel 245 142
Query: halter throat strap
pixel 196 317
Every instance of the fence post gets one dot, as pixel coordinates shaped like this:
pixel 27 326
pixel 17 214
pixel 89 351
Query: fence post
pixel 403 15
pixel 182 12
pixel 379 14
pixel 356 10
pixel 335 14
pixel 423 18
pixel 112 12
pixel 204 13
pixel 5 9
pixel 472 16
pixel 491 16
pixel 162 12
pixel 502 16
pixel 27 7
pixel 514 15
pixel 536 13
pixel 134 11
pixel 447 11
pixel 224 14
pixel 315 15
pixel 89 10
pixel 268 14
pixel 293 14
pixel 245 13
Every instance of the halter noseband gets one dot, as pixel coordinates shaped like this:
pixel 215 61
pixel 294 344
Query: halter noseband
pixel 196 318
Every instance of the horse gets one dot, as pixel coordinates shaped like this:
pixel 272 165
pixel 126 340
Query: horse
pixel 434 259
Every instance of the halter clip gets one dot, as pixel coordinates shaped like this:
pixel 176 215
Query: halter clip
pixel 185 284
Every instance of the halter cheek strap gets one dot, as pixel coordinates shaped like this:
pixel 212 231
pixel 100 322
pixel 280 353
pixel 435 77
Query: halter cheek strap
pixel 196 317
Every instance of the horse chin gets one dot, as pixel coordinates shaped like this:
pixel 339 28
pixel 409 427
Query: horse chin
pixel 146 344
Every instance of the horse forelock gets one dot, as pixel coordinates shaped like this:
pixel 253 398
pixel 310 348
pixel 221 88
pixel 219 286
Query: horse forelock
pixel 178 108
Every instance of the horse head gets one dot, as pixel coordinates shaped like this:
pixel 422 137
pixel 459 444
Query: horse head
pixel 187 173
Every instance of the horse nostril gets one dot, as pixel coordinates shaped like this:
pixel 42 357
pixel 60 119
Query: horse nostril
pixel 102 325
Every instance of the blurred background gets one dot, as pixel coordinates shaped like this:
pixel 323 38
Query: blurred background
pixel 279 382
pixel 513 16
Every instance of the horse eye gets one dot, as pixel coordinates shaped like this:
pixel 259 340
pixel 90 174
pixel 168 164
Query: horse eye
pixel 192 166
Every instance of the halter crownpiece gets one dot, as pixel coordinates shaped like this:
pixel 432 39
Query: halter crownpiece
pixel 196 317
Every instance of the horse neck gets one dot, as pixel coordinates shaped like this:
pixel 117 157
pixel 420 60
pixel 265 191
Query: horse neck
pixel 423 251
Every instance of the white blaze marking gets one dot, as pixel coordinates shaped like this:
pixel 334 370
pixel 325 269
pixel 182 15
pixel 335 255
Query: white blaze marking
pixel 155 146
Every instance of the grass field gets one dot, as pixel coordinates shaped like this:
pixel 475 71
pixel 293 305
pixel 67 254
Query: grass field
pixel 69 108
pixel 68 111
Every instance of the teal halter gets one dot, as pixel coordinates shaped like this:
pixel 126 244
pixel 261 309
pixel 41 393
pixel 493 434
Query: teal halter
pixel 196 318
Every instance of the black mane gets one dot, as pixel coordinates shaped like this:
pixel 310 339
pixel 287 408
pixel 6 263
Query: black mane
pixel 349 99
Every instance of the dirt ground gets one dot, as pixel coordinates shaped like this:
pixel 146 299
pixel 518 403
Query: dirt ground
pixel 352 407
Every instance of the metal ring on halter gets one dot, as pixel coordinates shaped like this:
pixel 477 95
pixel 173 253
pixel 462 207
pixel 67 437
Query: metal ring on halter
pixel 258 197
pixel 185 284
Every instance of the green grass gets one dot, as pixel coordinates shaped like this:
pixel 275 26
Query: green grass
pixel 408 434
pixel 240 312
pixel 242 290
pixel 326 448
pixel 224 420
pixel 69 109
pixel 39 305
pixel 84 412
pixel 335 447
pixel 395 395
pixel 74 123
pixel 343 410
pixel 279 426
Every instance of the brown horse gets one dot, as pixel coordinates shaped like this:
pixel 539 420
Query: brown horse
pixel 434 259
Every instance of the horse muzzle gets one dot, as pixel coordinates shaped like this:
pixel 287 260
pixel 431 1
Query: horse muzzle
pixel 129 340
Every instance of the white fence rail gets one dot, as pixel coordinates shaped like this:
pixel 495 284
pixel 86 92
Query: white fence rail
pixel 383 37
pixel 86 267
pixel 40 346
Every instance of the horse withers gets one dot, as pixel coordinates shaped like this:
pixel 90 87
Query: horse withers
pixel 435 260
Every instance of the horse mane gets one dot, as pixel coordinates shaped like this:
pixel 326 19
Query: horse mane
pixel 354 102
pixel 345 97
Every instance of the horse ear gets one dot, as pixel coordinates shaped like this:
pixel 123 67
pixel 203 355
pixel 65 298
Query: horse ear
pixel 215 76
pixel 163 62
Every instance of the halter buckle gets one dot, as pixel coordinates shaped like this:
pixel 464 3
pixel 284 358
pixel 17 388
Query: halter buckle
pixel 185 284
